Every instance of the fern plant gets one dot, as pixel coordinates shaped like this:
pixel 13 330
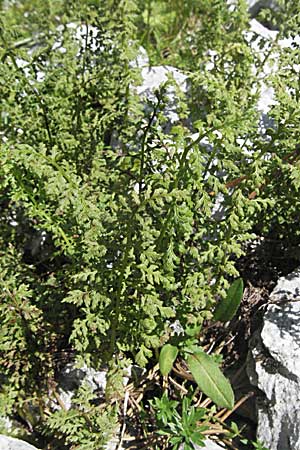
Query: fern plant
pixel 115 223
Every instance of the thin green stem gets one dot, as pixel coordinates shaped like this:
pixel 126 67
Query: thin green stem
pixel 142 168
pixel 175 184
pixel 117 307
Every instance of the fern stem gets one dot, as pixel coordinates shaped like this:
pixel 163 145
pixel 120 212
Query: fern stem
pixel 175 184
pixel 117 308
pixel 142 168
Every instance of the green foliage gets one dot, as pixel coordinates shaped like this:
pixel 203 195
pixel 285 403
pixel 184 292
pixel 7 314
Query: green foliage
pixel 167 357
pixel 228 306
pixel 203 367
pixel 85 425
pixel 210 379
pixel 258 445
pixel 255 445
pixel 108 226
pixel 165 408
pixel 180 427
pixel 234 432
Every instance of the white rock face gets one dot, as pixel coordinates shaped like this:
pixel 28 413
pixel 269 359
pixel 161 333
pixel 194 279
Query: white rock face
pixel 274 367
pixel 141 59
pixel 9 443
pixel 263 34
pixel 154 77
pixel 262 45
pixel 209 445
pixel 72 377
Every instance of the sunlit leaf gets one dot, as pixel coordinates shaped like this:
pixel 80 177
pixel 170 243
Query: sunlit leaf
pixel 228 306
pixel 211 380
pixel 167 356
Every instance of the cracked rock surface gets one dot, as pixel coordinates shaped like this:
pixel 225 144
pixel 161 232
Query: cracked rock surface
pixel 274 367
pixel 9 443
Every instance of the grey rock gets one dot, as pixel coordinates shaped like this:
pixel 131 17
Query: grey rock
pixel 261 45
pixel 114 442
pixel 264 38
pixel 153 78
pixel 209 445
pixel 287 288
pixel 141 59
pixel 6 424
pixel 71 378
pixel 9 443
pixel 274 367
pixel 256 6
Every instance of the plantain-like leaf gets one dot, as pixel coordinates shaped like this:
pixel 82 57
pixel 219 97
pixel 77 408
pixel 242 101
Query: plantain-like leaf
pixel 228 306
pixel 211 380
pixel 167 356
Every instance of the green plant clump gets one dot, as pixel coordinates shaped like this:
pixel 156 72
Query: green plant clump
pixel 108 231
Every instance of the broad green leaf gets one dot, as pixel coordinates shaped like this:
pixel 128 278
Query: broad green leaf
pixel 211 380
pixel 228 306
pixel 167 356
pixel 192 331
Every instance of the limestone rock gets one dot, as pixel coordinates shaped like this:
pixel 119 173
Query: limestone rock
pixel 264 39
pixel 209 445
pixel 71 377
pixel 255 6
pixel 154 77
pixel 274 367
pixel 9 443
